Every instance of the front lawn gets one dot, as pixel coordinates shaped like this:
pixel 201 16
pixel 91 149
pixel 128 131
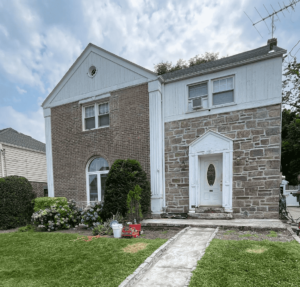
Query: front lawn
pixel 248 263
pixel 57 259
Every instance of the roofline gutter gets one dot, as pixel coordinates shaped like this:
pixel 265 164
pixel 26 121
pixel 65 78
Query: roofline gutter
pixel 21 147
pixel 228 66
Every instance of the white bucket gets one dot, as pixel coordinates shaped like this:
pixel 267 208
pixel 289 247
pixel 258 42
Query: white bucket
pixel 117 229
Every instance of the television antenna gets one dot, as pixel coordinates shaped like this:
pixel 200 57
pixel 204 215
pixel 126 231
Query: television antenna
pixel 291 5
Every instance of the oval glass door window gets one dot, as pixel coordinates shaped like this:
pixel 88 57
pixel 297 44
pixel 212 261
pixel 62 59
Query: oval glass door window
pixel 211 174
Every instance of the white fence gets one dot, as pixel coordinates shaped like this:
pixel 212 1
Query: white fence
pixel 288 190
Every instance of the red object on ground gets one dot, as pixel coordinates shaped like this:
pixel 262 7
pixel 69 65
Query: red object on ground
pixel 137 227
pixel 130 232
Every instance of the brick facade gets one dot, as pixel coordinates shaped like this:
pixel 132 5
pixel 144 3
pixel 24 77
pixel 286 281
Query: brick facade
pixel 38 188
pixel 256 135
pixel 128 136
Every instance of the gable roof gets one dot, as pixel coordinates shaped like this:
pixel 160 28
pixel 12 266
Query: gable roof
pixel 258 54
pixel 91 47
pixel 11 136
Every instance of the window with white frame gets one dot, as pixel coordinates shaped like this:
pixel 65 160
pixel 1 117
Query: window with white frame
pixel 96 116
pixel 223 91
pixel 196 95
pixel 89 120
pixel 103 115
pixel 96 177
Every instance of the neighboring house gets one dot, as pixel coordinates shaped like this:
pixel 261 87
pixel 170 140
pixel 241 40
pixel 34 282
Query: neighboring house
pixel 23 156
pixel 207 136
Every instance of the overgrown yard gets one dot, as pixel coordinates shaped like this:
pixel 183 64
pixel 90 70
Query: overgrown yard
pixel 57 259
pixel 248 263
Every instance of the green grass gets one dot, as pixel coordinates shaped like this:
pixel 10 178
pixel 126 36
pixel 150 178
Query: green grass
pixel 230 263
pixel 272 234
pixel 165 232
pixel 248 235
pixel 55 259
pixel 228 232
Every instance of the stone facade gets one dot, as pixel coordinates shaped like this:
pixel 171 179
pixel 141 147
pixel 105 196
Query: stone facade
pixel 128 136
pixel 38 188
pixel 256 135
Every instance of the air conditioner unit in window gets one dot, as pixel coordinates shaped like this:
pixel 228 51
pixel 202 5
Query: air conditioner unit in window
pixel 197 104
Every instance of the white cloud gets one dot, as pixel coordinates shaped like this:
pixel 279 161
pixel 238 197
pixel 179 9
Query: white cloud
pixel 40 58
pixel 147 32
pixel 31 124
pixel 21 91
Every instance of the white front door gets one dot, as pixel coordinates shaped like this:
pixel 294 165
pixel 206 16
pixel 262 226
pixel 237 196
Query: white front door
pixel 211 180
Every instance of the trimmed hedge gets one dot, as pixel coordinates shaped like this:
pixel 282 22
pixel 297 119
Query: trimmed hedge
pixel 16 202
pixel 47 202
pixel 123 176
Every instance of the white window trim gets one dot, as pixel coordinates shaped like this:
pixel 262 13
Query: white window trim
pixel 188 101
pixel 98 173
pixel 212 91
pixel 209 97
pixel 96 109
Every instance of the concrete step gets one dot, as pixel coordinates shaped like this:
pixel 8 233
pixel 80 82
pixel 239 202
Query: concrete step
pixel 209 209
pixel 219 215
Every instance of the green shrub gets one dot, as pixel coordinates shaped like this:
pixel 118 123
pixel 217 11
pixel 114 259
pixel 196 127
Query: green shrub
pixel 16 206
pixel 57 217
pixel 103 229
pixel 133 205
pixel 27 228
pixel 123 176
pixel 91 215
pixel 47 202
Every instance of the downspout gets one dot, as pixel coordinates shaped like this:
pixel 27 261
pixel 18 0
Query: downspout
pixel 2 160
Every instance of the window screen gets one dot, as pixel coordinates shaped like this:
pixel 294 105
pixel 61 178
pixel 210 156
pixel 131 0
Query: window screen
pixel 198 91
pixel 223 91
pixel 89 118
pixel 104 115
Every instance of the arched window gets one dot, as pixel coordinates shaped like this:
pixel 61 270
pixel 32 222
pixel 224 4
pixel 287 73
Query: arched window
pixel 97 171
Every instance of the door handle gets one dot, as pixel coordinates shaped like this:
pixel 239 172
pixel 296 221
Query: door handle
pixel 221 185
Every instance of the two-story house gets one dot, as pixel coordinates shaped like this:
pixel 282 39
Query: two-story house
pixel 22 155
pixel 208 136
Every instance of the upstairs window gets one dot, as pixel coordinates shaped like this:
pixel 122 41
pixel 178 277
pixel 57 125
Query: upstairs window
pixel 89 118
pixel 223 91
pixel 196 95
pixel 96 116
pixel 103 115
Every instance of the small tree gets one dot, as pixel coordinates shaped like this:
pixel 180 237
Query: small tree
pixel 167 67
pixel 123 176
pixel 133 205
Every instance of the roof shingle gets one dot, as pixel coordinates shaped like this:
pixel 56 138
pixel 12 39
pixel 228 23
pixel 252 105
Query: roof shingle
pixel 235 59
pixel 13 137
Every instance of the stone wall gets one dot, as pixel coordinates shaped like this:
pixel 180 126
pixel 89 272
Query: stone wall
pixel 256 134
pixel 128 136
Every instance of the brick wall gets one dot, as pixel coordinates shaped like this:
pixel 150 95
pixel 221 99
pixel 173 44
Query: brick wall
pixel 128 136
pixel 256 134
pixel 38 188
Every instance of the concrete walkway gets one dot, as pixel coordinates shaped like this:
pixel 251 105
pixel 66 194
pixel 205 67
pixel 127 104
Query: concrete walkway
pixel 176 264
pixel 253 223
pixel 295 211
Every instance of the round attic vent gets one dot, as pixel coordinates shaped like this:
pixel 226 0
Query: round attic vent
pixel 92 71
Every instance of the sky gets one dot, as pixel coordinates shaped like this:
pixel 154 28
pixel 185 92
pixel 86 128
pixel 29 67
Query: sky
pixel 41 39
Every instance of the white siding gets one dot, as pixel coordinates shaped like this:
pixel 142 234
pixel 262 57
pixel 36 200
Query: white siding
pixel 257 84
pixel 22 162
pixel 109 74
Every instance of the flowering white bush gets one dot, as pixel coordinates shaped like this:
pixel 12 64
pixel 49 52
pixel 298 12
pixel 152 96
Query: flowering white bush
pixel 91 215
pixel 57 217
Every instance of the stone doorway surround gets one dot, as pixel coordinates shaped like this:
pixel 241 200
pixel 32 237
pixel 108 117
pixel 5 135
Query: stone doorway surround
pixel 210 143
